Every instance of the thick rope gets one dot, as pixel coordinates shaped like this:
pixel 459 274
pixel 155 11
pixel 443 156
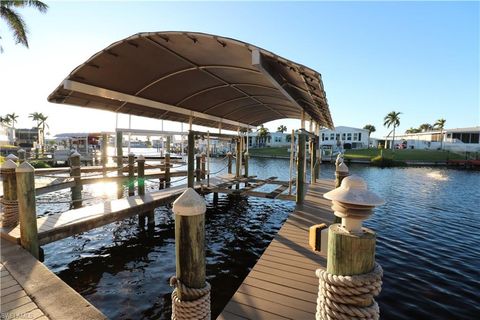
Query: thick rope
pixel 339 296
pixel 196 303
pixel 10 213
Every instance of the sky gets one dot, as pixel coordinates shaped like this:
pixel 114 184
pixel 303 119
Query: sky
pixel 417 58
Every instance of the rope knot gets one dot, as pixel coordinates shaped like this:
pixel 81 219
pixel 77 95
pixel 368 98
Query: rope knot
pixel 349 297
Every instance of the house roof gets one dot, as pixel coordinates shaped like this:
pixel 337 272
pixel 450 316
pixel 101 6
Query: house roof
pixel 181 76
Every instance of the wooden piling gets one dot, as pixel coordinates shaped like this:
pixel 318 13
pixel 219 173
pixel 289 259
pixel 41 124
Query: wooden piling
pixel 204 162
pixel 198 171
pixel 168 144
pixel 119 164
pixel 191 159
pixel 246 158
pixel 167 170
pixel 300 168
pixel 229 163
pixel 25 175
pixel 189 210
pixel 141 185
pixel 131 174
pixel 313 161
pixel 22 156
pixel 10 203
pixel 75 172
pixel 351 254
pixel 237 160
pixel 104 153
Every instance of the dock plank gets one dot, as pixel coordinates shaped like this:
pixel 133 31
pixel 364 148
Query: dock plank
pixel 283 285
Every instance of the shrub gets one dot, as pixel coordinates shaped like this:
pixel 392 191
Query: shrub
pixel 38 164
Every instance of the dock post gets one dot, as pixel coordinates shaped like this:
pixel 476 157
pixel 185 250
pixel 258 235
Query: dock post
pixel 141 185
pixel 229 163
pixel 104 153
pixel 9 200
pixel 189 282
pixel 22 155
pixel 351 255
pixel 167 170
pixel 246 158
pixel 168 144
pixel 198 175
pixel 237 160
pixel 204 162
pixel 215 198
pixel 300 168
pixel 131 174
pixel 191 159
pixel 313 160
pixel 318 158
pixel 75 172
pixel 119 164
pixel 341 171
pixel 25 175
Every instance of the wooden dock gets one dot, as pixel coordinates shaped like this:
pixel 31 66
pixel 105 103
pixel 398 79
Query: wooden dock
pixel 31 291
pixel 65 224
pixel 282 284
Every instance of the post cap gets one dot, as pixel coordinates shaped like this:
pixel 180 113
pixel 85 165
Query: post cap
pixel 141 158
pixel 342 167
pixel 25 167
pixel 75 154
pixel 246 154
pixel 21 150
pixel 353 190
pixel 12 157
pixel 9 164
pixel 229 153
pixel 131 154
pixel 339 159
pixel 189 204
pixel 203 154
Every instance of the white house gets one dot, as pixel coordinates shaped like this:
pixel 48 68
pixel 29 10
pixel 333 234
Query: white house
pixel 274 139
pixel 343 138
pixel 458 139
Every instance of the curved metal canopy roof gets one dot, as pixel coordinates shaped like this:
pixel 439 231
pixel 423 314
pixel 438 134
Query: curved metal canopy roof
pixel 181 76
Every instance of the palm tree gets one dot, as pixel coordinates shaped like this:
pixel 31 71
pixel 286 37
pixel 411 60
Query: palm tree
pixel 12 119
pixel 412 130
pixel 5 120
pixel 41 120
pixel 392 119
pixel 282 128
pixel 370 128
pixel 15 21
pixel 263 134
pixel 425 127
pixel 440 124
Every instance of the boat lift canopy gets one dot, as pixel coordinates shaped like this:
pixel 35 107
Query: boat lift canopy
pixel 196 78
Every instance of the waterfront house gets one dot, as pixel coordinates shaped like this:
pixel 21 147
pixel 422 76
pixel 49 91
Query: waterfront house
pixel 343 137
pixel 457 139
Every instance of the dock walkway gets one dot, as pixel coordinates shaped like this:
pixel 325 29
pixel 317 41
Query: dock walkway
pixel 282 284
pixel 31 291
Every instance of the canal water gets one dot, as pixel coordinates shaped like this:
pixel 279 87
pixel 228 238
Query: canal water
pixel 428 240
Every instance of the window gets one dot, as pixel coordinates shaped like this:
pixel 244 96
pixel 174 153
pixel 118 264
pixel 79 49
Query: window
pixel 338 136
pixel 332 136
pixel 474 137
pixel 323 136
pixel 278 139
pixel 355 136
pixel 326 138
pixel 343 136
pixel 359 136
pixel 349 136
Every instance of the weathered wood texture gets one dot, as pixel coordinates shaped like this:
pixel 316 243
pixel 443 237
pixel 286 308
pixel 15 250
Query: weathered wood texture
pixel 75 172
pixel 282 284
pixel 27 230
pixel 190 250
pixel 301 168
pixel 31 291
